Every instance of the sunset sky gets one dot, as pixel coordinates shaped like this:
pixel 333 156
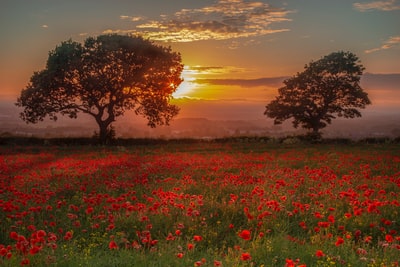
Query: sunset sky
pixel 235 52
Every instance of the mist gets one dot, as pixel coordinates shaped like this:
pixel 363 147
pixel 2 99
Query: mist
pixel 201 118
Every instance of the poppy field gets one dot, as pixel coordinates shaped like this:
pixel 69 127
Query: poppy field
pixel 200 204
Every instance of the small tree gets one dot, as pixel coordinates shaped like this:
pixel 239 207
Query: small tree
pixel 104 77
pixel 327 88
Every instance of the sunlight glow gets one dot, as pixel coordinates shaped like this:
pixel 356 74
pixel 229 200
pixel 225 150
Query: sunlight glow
pixel 188 85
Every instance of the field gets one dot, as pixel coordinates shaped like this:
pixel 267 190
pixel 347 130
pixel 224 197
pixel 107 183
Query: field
pixel 200 204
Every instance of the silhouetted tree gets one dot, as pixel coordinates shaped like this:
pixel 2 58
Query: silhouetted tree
pixel 104 77
pixel 327 88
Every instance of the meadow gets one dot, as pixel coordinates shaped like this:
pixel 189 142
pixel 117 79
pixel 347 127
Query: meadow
pixel 200 204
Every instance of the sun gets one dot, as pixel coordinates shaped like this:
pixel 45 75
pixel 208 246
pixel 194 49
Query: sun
pixel 189 85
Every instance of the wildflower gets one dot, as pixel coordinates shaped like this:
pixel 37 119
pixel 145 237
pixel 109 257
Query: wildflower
pixel 389 238
pixel 179 255
pixel 113 245
pixel 290 263
pixel 14 235
pixel 361 251
pixel 25 262
pixel 41 233
pixel 323 224
pixel 245 234
pixel 31 228
pixel 89 210
pixel 303 225
pixel 319 253
pixel 318 215
pixel 34 250
pixel 368 239
pixel 217 263
pixel 245 256
pixel 339 241
pixel 170 237
pixel 190 246
pixel 178 232
pixel 68 235
pixel 3 251
pixel 197 238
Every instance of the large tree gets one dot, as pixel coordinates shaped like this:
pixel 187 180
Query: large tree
pixel 327 88
pixel 104 77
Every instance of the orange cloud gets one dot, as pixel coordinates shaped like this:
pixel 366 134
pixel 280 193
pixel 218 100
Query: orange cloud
pixel 389 5
pixel 227 19
pixel 390 43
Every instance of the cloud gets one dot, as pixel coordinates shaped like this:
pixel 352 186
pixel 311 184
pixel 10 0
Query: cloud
pixel 224 20
pixel 132 18
pixel 390 43
pixel 388 5
pixel 45 26
pixel 270 82
pixel 218 70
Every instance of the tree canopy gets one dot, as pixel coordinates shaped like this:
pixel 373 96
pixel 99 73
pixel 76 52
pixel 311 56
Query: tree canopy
pixel 104 77
pixel 326 89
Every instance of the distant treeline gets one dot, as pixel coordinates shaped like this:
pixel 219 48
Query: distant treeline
pixel 288 140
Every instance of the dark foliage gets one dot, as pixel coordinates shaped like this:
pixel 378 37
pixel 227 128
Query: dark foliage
pixel 104 77
pixel 326 89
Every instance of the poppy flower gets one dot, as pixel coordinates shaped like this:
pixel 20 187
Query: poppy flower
pixel 197 238
pixel 217 263
pixel 339 241
pixel 14 235
pixel 389 238
pixel 319 253
pixel 25 262
pixel 245 256
pixel 245 234
pixel 113 245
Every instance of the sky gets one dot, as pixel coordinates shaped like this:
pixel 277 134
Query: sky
pixel 236 52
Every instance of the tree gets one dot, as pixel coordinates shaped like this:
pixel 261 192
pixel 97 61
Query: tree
pixel 327 88
pixel 104 77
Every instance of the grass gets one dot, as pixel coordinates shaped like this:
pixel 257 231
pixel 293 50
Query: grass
pixel 186 204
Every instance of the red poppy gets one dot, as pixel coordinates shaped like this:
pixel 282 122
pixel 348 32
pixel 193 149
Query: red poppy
pixel 14 235
pixel 339 241
pixel 113 245
pixel 217 263
pixel 197 238
pixel 245 256
pixel 34 250
pixel 68 235
pixel 25 262
pixel 389 238
pixel 245 234
pixel 319 253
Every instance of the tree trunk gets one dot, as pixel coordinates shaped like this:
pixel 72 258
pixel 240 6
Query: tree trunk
pixel 105 134
pixel 103 127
